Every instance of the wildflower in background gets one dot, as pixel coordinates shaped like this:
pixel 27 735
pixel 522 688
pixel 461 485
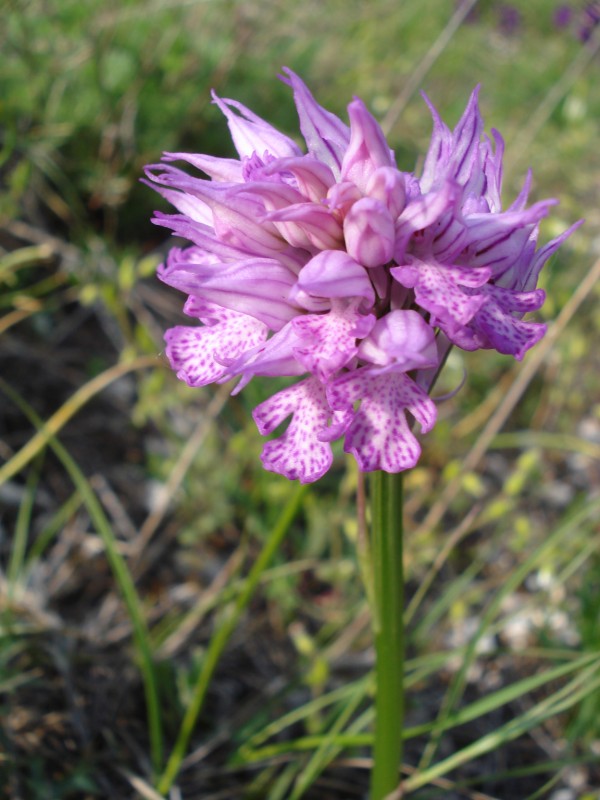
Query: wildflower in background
pixel 586 17
pixel 509 19
pixel 563 15
pixel 590 20
pixel 336 267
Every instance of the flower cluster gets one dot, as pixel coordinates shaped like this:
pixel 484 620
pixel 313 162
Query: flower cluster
pixel 337 266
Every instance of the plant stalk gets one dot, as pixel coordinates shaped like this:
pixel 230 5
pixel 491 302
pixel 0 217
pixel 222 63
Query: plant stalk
pixel 388 629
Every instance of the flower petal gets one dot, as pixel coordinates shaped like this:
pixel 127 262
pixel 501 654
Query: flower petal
pixel 258 287
pixel 313 223
pixel 421 213
pixel 332 274
pixel 329 340
pixel 388 185
pixel 197 353
pixel 325 134
pixel 367 150
pixel 273 358
pixel 228 170
pixel 314 178
pixel 379 436
pixel 251 134
pixel 439 289
pixel 498 323
pixel 298 454
pixel 369 233
pixel 402 338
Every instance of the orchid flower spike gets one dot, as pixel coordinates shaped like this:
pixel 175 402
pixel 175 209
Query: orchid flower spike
pixel 335 268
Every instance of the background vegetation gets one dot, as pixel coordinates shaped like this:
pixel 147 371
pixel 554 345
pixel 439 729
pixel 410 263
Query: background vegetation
pixel 132 508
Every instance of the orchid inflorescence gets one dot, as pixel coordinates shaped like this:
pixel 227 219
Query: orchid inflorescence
pixel 337 266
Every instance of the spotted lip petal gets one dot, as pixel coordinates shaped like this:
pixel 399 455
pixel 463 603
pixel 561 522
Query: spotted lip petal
pixel 299 453
pixel 497 324
pixel 197 353
pixel 379 436
pixel 330 339
pixel 440 290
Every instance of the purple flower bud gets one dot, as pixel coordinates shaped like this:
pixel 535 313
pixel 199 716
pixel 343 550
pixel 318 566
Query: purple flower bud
pixel 389 186
pixel 341 197
pixel 562 16
pixel 333 274
pixel 402 338
pixel 509 19
pixel 368 149
pixel 369 233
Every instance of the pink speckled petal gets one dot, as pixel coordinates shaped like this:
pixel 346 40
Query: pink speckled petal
pixel 298 454
pixel 379 436
pixel 197 353
pixel 498 325
pixel 506 334
pixel 329 340
pixel 438 289
pixel 274 357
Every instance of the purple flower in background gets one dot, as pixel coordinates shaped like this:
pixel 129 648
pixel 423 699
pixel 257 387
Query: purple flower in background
pixel 590 20
pixel 335 267
pixel 562 16
pixel 509 19
pixel 585 18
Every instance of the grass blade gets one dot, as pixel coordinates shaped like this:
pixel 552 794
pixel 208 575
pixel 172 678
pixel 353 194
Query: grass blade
pixel 222 635
pixel 119 569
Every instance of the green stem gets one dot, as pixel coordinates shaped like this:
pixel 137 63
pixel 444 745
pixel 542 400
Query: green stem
pixel 221 637
pixel 388 626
